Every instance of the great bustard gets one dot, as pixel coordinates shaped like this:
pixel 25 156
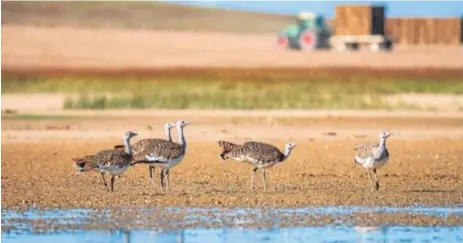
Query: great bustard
pixel 143 145
pixel 162 153
pixel 85 163
pixel 260 155
pixel 114 161
pixel 373 156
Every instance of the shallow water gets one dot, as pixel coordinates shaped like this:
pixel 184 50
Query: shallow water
pixel 297 234
pixel 314 224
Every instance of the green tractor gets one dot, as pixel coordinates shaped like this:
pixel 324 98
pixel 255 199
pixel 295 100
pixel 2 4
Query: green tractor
pixel 310 33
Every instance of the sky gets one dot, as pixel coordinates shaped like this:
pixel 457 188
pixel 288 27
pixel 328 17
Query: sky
pixel 326 8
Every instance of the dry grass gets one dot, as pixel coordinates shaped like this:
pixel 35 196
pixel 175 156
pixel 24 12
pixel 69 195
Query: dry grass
pixel 257 89
pixel 138 15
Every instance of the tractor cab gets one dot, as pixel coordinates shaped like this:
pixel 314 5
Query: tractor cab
pixel 309 33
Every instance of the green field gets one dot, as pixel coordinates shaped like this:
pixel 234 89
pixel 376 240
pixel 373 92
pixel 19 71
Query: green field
pixel 233 90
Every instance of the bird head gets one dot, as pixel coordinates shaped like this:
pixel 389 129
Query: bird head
pixel 181 123
pixel 385 135
pixel 129 135
pixel 169 125
pixel 289 146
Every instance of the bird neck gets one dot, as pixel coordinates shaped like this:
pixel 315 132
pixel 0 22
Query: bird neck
pixel 127 147
pixel 167 130
pixel 382 143
pixel 181 137
pixel 286 153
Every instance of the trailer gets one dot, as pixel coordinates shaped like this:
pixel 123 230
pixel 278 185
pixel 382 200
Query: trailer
pixel 358 26
pixel 353 27
pixel 375 43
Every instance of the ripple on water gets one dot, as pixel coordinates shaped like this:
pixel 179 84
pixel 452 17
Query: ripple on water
pixel 233 225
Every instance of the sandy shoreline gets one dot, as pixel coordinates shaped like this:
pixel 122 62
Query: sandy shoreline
pixel 424 168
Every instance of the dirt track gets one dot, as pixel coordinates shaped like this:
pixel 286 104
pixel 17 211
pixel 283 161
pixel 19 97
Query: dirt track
pixel 424 169
pixel 41 47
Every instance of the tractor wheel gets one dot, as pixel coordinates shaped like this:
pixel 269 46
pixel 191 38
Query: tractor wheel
pixel 386 46
pixel 283 42
pixel 308 40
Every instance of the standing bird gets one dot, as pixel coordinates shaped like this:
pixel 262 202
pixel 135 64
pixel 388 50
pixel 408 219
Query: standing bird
pixel 85 164
pixel 260 155
pixel 372 157
pixel 114 161
pixel 163 153
pixel 141 146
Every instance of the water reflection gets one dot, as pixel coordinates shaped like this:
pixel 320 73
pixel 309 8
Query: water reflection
pixel 369 233
pixel 228 225
pixel 328 233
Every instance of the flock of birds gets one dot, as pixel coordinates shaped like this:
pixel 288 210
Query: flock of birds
pixel 166 154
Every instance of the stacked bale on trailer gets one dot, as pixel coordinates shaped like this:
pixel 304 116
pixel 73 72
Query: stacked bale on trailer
pixel 425 31
pixel 357 25
pixel 359 20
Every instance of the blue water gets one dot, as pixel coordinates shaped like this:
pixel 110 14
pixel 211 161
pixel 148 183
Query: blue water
pixel 226 225
pixel 76 214
pixel 297 234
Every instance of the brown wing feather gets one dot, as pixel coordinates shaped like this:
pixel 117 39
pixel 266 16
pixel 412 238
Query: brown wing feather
pixel 119 147
pixel 88 162
pixel 144 144
pixel 162 149
pixel 260 146
pixel 263 152
pixel 85 163
pixel 111 157
pixel 366 150
pixel 227 146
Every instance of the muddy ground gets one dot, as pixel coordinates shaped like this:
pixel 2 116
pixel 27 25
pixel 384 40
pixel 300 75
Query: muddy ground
pixel 425 166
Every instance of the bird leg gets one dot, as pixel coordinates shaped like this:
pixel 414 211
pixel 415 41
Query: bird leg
pixel 263 179
pixel 112 182
pixel 152 170
pixel 371 179
pixel 104 181
pixel 376 180
pixel 253 178
pixel 167 179
pixel 162 179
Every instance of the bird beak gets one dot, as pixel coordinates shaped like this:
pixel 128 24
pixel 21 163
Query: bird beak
pixel 389 134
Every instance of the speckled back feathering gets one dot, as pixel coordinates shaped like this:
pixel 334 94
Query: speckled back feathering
pixel 146 144
pixel 373 151
pixel 85 163
pixel 162 149
pixel 257 152
pixel 227 147
pixel 372 155
pixel 111 158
